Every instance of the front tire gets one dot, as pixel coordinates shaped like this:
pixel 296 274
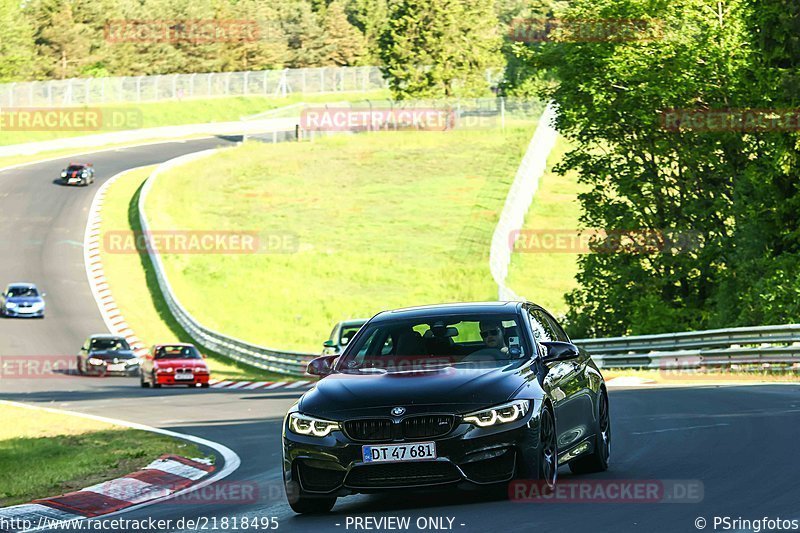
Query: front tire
pixel 156 384
pixel 597 461
pixel 548 446
pixel 303 504
pixel 142 382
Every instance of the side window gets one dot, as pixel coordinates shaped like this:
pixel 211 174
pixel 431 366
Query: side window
pixel 542 329
pixel 558 330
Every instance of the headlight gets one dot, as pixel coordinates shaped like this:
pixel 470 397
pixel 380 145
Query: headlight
pixel 38 305
pixel 307 425
pixel 201 371
pixel 96 361
pixel 63 173
pixel 167 370
pixel 84 173
pixel 502 414
pixel 132 362
pixel 11 305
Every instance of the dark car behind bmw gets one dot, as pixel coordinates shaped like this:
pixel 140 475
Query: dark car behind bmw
pixel 104 354
pixel 478 394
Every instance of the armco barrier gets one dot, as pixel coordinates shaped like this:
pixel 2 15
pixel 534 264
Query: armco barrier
pixel 764 345
pixel 279 361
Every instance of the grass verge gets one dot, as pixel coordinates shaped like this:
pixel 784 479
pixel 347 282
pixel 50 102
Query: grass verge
pixel 133 283
pixel 179 112
pixel 372 221
pixel 545 277
pixel 45 454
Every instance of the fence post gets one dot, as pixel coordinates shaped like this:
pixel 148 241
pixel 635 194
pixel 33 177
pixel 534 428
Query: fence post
pixel 11 94
pixel 30 93
pixel 228 84
pixel 87 90
pixel 210 75
pixel 246 78
pixel 303 80
pixel 322 79
pixel 50 93
pixel 191 83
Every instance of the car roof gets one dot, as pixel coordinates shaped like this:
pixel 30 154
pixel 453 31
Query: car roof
pixel 21 285
pixel 105 336
pixel 353 322
pixel 448 309
pixel 174 344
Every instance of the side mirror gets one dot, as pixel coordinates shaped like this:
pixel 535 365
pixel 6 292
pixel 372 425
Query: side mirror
pixel 149 357
pixel 321 366
pixel 204 356
pixel 44 294
pixel 560 351
pixel 329 344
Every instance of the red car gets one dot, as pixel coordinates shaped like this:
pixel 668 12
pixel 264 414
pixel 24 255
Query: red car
pixel 174 364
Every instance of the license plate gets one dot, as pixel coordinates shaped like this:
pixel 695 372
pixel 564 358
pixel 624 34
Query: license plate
pixel 183 375
pixel 74 180
pixel 25 309
pixel 119 367
pixel 390 453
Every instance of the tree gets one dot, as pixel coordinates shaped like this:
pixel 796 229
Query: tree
pixel 17 51
pixel 613 95
pixel 344 44
pixel 439 48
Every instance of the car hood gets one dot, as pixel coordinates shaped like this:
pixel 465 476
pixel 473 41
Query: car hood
pixel 181 363
pixel 111 354
pixel 456 388
pixel 25 299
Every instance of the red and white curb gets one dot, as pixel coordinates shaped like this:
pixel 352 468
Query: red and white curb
pixel 161 478
pixel 260 385
pixel 111 314
pixel 166 478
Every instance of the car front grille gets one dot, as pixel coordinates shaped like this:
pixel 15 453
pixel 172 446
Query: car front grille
pixel 369 430
pixel 402 474
pixel 412 427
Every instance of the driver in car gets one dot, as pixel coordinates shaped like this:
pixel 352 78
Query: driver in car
pixel 494 343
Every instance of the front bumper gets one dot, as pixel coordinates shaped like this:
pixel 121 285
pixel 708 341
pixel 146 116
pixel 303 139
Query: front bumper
pixel 103 370
pixel 74 181
pixel 169 379
pixel 468 455
pixel 16 313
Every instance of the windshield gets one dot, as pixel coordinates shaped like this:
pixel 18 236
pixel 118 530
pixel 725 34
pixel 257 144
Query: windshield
pixel 75 168
pixel 177 352
pixel 435 341
pixel 113 345
pixel 22 292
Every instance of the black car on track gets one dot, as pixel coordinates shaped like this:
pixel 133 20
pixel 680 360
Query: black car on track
pixel 458 394
pixel 78 174
pixel 104 354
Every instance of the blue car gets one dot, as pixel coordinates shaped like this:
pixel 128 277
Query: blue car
pixel 22 300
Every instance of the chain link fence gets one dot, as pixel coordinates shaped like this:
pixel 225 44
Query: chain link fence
pixel 134 89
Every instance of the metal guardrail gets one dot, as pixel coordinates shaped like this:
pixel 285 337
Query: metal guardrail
pixel 759 345
pixel 278 361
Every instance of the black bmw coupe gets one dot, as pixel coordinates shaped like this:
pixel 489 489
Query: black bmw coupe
pixel 475 393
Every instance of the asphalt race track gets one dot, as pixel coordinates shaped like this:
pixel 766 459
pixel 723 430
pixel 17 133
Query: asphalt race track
pixel 737 443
